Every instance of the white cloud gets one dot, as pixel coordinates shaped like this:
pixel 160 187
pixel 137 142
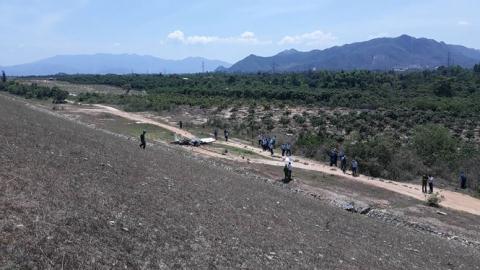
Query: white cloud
pixel 315 38
pixel 176 35
pixel 246 38
pixel 463 23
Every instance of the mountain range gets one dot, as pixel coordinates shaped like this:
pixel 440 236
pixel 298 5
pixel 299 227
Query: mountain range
pixel 112 63
pixel 400 53
pixel 403 52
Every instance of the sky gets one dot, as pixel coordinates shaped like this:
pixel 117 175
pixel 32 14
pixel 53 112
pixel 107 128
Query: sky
pixel 226 30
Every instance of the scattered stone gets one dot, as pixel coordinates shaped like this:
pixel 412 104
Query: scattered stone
pixel 441 213
pixel 111 222
pixel 125 229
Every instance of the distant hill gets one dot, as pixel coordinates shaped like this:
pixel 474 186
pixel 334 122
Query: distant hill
pixel 404 52
pixel 112 63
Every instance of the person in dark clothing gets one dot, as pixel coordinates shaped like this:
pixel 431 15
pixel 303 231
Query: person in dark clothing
pixel 143 144
pixel 285 172
pixel 260 140
pixel 424 183
pixel 333 157
pixel 225 133
pixel 180 124
pixel 215 134
pixel 282 147
pixel 264 143
pixel 273 141
pixel 288 149
pixel 270 147
pixel 463 181
pixel 290 168
pixel 354 167
pixel 343 163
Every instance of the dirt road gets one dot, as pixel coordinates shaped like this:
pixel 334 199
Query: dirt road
pixel 453 200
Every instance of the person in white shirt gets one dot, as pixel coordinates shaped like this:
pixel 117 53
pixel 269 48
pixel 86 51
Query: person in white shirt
pixel 430 183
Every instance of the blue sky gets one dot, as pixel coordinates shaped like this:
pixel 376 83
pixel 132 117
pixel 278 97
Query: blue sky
pixel 221 29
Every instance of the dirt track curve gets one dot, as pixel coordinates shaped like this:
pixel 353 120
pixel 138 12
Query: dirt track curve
pixel 453 200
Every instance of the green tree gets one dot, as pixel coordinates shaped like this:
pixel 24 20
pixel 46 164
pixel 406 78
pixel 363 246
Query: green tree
pixel 443 88
pixel 434 143
pixel 476 68
pixel 58 95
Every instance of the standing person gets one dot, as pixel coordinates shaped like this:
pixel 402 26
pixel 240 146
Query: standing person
pixel 260 139
pixel 463 180
pixel 264 143
pixel 354 167
pixel 273 141
pixel 225 133
pixel 180 124
pixel 282 147
pixel 290 169
pixel 288 149
pixel 424 183
pixel 285 172
pixel 430 183
pixel 270 146
pixel 215 134
pixel 143 144
pixel 333 157
pixel 343 163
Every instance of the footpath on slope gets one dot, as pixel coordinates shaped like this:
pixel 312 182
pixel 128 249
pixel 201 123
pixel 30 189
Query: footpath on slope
pixel 453 200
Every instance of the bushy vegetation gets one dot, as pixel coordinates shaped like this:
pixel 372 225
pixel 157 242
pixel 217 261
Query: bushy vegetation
pixel 34 91
pixel 434 200
pixel 446 89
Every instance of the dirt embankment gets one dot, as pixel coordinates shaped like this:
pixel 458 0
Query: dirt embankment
pixel 77 198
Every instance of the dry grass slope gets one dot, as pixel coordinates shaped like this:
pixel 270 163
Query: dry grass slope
pixel 76 198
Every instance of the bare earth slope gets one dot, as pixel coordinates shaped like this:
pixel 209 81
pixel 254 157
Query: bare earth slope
pixel 76 198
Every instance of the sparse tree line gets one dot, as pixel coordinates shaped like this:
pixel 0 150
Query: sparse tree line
pixel 33 91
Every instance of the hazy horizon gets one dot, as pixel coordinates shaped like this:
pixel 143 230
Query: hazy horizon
pixel 219 30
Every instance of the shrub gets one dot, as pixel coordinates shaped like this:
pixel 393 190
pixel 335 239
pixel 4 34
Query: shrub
pixel 299 119
pixel 284 120
pixel 434 199
pixel 434 143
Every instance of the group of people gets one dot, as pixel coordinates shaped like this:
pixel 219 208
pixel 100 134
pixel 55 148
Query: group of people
pixel 427 182
pixel 335 156
pixel 286 149
pixel 427 179
pixel 267 143
pixel 226 134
